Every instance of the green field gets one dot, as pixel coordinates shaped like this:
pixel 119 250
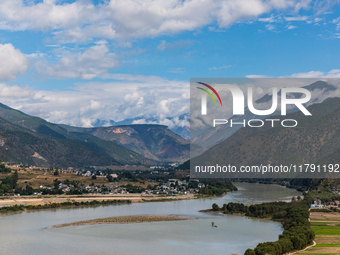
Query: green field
pixel 326 230
pixel 327 245
pixel 325 227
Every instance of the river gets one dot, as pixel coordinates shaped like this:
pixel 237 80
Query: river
pixel 27 233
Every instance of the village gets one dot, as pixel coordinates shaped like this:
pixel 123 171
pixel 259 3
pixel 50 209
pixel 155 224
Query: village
pixel 157 180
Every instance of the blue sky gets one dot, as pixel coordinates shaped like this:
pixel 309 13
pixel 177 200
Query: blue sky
pixel 77 61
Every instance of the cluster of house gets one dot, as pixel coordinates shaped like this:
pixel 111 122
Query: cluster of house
pixel 110 190
pixel 175 186
pixel 100 175
pixel 89 188
pixel 335 203
pixel 317 204
pixel 336 191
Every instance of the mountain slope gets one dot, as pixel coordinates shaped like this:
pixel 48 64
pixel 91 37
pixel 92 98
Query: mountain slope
pixel 37 142
pixel 316 139
pixel 22 145
pixel 179 125
pixel 156 142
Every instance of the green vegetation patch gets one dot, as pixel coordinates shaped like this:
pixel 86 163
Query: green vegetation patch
pixel 328 232
pixel 20 208
pixel 325 228
pixel 327 245
pixel 294 217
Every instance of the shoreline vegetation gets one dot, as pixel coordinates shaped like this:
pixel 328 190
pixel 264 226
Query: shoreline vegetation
pixel 124 220
pixel 294 217
pixel 22 208
pixel 21 204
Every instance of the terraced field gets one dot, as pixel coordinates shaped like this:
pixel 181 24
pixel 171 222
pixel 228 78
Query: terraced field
pixel 327 234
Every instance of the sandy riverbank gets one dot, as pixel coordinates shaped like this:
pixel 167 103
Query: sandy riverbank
pixel 43 200
pixel 124 220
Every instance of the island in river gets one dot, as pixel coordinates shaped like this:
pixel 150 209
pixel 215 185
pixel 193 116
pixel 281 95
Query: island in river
pixel 124 219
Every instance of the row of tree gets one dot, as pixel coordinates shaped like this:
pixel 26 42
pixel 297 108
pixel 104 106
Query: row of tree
pixel 297 234
pixel 216 187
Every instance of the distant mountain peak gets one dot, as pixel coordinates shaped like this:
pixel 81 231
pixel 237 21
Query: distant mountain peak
pixel 180 129
pixel 318 85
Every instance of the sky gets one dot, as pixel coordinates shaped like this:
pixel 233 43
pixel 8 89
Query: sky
pixel 74 62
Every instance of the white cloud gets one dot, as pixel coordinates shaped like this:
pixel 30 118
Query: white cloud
pixel 290 27
pixel 12 62
pixel 270 19
pixel 93 62
pixel 115 19
pixel 86 102
pixel 93 106
pixel 175 45
pixel 48 15
pixel 323 7
pixel 297 18
pixel 15 91
pixel 337 22
pixel 170 122
pixel 270 27
pixel 220 67
pixel 176 70
pixel 335 73
pixel 254 76
pixel 36 55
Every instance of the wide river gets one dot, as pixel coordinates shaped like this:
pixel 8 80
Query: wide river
pixel 26 233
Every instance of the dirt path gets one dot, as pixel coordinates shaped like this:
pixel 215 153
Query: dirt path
pixel 310 246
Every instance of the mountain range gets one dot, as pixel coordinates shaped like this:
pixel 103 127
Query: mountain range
pixel 31 140
pixel 155 142
pixel 316 139
pixel 179 124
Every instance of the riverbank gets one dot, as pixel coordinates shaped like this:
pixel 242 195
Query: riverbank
pixel 50 199
pixel 19 204
pixel 294 217
pixel 124 220
pixel 22 208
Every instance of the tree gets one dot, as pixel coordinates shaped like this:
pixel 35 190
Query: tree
pixel 4 169
pixel 215 207
pixel 249 252
pixel 94 177
pixel 109 177
pixel 56 172
pixel 29 190
pixel 56 184
pixel 15 176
